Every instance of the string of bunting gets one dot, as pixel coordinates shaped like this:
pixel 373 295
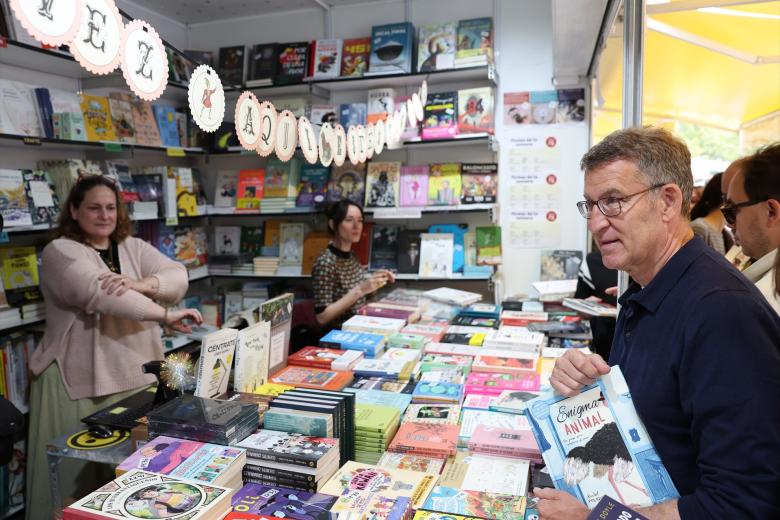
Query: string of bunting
pixel 101 42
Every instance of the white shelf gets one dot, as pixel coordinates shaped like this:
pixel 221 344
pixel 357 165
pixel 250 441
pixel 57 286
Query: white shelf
pixel 415 79
pixel 21 323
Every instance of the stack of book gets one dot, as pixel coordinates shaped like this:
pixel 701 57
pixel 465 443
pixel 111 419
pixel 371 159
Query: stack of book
pixel 276 204
pixel 211 464
pixel 372 345
pixel 426 439
pixel 375 427
pixel 437 362
pixel 314 378
pixel 505 361
pixel 257 501
pixel 402 354
pixel 432 414
pixel 591 307
pixel 453 296
pixel 439 387
pixel 289 460
pixel 516 444
pixel 407 341
pixel 265 265
pixel 493 383
pixel 471 419
pixel 326 358
pixel 432 331
pixel 522 318
pixel 385 384
pixel 204 420
pixel 390 310
pixel 515 339
pixel 374 325
pixel 381 397
pixel 399 369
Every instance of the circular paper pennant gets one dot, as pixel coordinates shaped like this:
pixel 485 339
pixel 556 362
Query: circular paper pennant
pixel 268 123
pixel 352 146
pixel 370 138
pixel 362 145
pixel 418 104
pixel 400 122
pixel 143 60
pixel 404 118
pixel 410 112
pixel 247 120
pixel 50 22
pixel 339 145
pixel 423 93
pixel 326 144
pixel 207 99
pixel 308 140
pixel 379 137
pixel 96 46
pixel 389 125
pixel 286 130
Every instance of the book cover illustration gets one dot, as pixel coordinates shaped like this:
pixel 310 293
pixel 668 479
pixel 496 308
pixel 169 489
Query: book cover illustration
pixel 250 189
pixel 544 106
pixel 97 118
pixel 410 462
pixel 475 41
pixel 215 362
pixel 517 108
pixel 489 245
pixel 384 247
pixel 479 183
pixel 441 116
pixel 381 102
pixel 67 105
pixel 560 264
pixel 252 351
pixel 436 47
pixel 476 503
pixel 444 184
pixel 458 232
pixel 313 186
pixel 347 182
pixel 146 131
pixel 227 240
pixel 426 439
pixel 414 186
pixel 475 110
pixel 14 206
pixel 382 184
pixel 610 509
pixel 595 444
pixel 280 502
pixel 326 58
pixel 166 123
pixel 226 189
pixel 122 116
pixel 391 48
pixel 286 420
pixel 571 106
pixel 323 114
pixel 308 377
pixel 281 178
pixel 357 504
pixel 409 244
pixel 141 494
pixel 353 114
pixel 231 65
pixel 44 205
pixel 290 448
pixel 486 473
pixel 432 413
pixel 293 60
pixel 436 255
pixel 291 243
pixel 355 56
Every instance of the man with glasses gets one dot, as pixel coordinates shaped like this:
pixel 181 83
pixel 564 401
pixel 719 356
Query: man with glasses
pixel 698 344
pixel 752 209
pixel 734 255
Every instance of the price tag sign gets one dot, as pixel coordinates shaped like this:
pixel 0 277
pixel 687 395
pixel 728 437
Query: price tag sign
pixel 172 221
pixel 112 147
pixel 31 141
pixel 175 152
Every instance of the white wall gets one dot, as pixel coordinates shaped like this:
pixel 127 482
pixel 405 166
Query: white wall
pixel 172 31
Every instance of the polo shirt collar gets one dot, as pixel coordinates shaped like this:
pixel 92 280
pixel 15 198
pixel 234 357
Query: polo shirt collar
pixel 652 295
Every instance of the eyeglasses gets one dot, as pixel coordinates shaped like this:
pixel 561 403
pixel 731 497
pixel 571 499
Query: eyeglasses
pixel 730 210
pixel 610 206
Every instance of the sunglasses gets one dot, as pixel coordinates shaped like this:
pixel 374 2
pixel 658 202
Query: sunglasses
pixel 730 210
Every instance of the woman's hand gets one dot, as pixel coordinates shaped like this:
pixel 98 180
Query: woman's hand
pixel 119 283
pixel 176 319
pixel 375 282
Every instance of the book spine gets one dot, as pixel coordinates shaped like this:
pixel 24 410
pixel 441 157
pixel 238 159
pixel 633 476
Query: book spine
pixel 266 472
pixel 280 458
pixel 279 482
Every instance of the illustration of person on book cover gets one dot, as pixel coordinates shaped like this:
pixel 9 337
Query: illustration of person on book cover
pixel 382 193
pixel 163 500
pixel 475 116
pixel 164 457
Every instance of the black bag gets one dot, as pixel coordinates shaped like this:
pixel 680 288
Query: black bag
pixel 11 423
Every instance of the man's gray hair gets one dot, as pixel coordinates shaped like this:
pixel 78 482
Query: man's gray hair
pixel 660 157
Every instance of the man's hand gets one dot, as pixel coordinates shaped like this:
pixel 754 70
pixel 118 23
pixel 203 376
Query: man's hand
pixel 559 505
pixel 574 370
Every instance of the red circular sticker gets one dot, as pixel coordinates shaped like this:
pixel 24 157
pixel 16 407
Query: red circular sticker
pixel 552 179
pixel 552 216
pixel 551 142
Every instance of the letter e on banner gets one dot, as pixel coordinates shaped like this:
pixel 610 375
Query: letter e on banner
pixel 96 46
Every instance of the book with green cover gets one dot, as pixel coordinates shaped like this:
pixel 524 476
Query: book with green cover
pixel 375 417
pixel 297 421
pixel 489 245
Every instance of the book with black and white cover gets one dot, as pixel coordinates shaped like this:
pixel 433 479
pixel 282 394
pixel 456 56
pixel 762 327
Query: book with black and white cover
pixel 290 448
pixel 383 180
pixel 409 241
pixel 227 240
pixel 436 255
pixel 381 102
pixel 325 58
pixel 216 359
pixel 384 247
pixel 263 65
pixel 43 202
pixel 226 189
pixel 252 351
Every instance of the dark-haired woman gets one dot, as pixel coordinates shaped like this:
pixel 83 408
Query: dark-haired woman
pixel 706 219
pixel 102 324
pixel 340 282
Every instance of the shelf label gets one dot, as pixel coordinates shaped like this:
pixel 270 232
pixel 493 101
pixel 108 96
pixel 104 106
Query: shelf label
pixel 175 152
pixel 389 213
pixel 31 141
pixel 172 221
pixel 112 147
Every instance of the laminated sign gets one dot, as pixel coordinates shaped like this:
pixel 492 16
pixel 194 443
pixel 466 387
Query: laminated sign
pixel 53 22
pixel 207 98
pixel 96 46
pixel 143 60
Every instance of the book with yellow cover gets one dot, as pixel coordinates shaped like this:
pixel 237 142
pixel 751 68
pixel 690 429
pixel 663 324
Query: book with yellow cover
pixel 97 118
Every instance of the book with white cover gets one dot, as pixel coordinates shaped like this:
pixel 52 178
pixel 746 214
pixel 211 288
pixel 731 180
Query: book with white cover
pixel 514 339
pixel 373 324
pixel 225 190
pixel 436 255
pixel 291 243
pixel 252 354
pixel 216 358
pixel 454 296
pixel 326 58
pixel 227 240
pixel 14 207
pixel 19 109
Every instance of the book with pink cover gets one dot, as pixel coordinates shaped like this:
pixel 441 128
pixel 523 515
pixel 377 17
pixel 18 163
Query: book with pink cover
pixel 493 383
pixel 414 185
pixel 505 442
pixel 428 439
pixel 496 361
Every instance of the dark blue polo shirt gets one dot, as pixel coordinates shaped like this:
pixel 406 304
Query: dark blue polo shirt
pixel 700 349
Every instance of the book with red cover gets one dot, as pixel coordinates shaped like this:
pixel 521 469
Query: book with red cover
pixel 401 312
pixel 426 439
pixel 317 357
pixel 492 383
pixel 251 185
pixel 308 377
pixel 354 56
pixel 499 361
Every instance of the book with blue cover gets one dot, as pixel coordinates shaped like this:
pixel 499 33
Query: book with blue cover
pixel 166 123
pixel 352 114
pixel 595 444
pixel 437 392
pixel 458 239
pixel 370 344
pixel 313 186
pixel 391 48
pixel 306 423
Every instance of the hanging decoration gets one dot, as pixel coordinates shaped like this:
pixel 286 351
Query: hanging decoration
pixel 307 140
pixel 360 141
pixel 418 106
pixel 143 61
pixel 370 136
pixel 268 123
pixel 206 98
pixel 352 148
pixel 389 124
pixel 379 137
pixel 423 93
pixel 410 112
pixel 247 120
pixel 325 144
pixel 339 145
pixel 96 45
pixel 286 130
pixel 50 22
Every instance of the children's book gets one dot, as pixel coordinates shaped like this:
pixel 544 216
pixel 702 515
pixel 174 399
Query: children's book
pixel 347 182
pixel 226 189
pixel 479 183
pixel 250 189
pixel 436 253
pixel 281 178
pixel 216 359
pixel 476 504
pixel 146 132
pixel 595 444
pixel 441 116
pixel 436 47
pixel 381 102
pixel 382 184
pixel 308 377
pixel 411 462
pixel 166 123
pixel 475 110
pixel 97 118
pixel 409 243
pixel 444 184
pixel 14 205
pixel 326 58
pixel 122 116
pixel 489 245
pixel 260 501
pixel 360 504
pixel 475 42
pixel 252 356
pixel 355 56
pixel 313 186
pixel 391 48
pixel 291 243
pixel 414 186
pixel 427 439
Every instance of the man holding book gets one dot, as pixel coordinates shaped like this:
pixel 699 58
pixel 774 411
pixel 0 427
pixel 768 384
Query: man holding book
pixel 698 344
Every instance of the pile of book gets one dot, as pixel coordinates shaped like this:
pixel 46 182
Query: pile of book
pixel 204 420
pixel 375 426
pixel 290 460
pixel 265 265
pixel 326 358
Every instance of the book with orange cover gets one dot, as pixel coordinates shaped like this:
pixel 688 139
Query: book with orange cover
pixel 426 439
pixel 309 377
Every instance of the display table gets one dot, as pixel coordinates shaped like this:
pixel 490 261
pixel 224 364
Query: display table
pixel 79 444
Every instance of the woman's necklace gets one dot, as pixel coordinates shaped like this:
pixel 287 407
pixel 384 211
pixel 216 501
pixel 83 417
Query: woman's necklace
pixel 108 257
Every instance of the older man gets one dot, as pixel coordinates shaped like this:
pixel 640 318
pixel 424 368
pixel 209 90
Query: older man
pixel 698 344
pixel 754 196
